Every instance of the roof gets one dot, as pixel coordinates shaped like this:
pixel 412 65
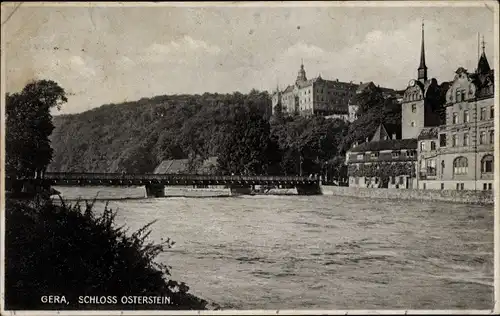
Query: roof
pixel 428 133
pixel 364 86
pixel 483 67
pixel 288 89
pixel 392 129
pixel 390 144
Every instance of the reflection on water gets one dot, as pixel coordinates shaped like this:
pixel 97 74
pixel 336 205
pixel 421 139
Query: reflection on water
pixel 318 252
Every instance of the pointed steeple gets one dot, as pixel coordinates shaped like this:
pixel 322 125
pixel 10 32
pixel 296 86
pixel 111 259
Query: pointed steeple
pixel 301 76
pixel 483 67
pixel 422 68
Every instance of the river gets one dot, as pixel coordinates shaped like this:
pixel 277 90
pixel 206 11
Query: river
pixel 317 252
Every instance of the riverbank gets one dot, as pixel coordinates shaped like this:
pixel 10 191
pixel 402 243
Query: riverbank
pixel 462 196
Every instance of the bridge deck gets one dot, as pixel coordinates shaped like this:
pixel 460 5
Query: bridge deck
pixel 121 179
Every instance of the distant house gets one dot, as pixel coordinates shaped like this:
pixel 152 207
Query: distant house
pixel 181 166
pixel 384 161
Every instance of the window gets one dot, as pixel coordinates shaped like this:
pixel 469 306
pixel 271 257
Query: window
pixel 393 180
pixel 482 138
pixel 455 118
pixel 461 186
pixel 460 166
pixel 395 154
pixel 466 139
pixel 425 186
pixel 433 145
pixel 485 186
pixel 410 153
pixel 492 137
pixel 466 116
pixel 422 165
pixel 422 146
pixel 401 180
pixel 453 140
pixel 412 124
pixel 458 186
pixel 483 114
pixel 462 92
pixel 374 155
pixel 442 140
pixel 414 108
pixel 431 167
pixel 442 166
pixel 458 94
pixel 442 186
pixel 492 112
pixel 490 186
pixel 487 164
pixel 359 157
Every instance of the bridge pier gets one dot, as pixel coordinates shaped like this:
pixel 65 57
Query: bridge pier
pixel 155 190
pixel 309 189
pixel 240 189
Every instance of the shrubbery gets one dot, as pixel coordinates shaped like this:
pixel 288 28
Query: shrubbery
pixel 68 250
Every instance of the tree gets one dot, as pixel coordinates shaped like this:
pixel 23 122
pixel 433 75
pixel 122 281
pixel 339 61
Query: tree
pixel 373 111
pixel 246 148
pixel 307 144
pixel 29 125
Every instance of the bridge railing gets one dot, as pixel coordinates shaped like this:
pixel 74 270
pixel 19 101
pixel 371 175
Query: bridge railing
pixel 169 177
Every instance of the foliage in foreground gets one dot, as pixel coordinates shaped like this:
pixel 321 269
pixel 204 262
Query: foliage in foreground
pixel 69 250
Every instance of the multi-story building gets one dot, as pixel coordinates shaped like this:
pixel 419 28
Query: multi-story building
pixel 315 96
pixel 395 158
pixel 384 161
pixel 459 154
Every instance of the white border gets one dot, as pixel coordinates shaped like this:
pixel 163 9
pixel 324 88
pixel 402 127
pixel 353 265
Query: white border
pixel 493 5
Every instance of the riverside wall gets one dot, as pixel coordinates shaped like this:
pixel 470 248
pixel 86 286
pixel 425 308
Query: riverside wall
pixel 463 196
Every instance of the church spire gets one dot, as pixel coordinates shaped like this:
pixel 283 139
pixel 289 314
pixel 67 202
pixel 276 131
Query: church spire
pixel 483 67
pixel 422 69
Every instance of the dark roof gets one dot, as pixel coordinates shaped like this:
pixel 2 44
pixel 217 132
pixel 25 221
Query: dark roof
pixel 483 67
pixel 428 133
pixel 394 144
pixel 393 129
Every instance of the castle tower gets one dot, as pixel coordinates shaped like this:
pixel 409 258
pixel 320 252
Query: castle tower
pixel 422 68
pixel 301 76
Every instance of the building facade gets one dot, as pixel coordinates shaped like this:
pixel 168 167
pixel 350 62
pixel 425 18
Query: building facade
pixel 459 154
pixel 385 161
pixel 315 96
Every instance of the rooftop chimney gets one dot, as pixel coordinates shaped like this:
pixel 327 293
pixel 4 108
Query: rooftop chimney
pixel 394 136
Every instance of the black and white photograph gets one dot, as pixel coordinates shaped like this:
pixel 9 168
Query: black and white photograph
pixel 248 158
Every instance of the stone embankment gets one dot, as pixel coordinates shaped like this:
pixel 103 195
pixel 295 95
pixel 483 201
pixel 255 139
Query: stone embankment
pixel 464 196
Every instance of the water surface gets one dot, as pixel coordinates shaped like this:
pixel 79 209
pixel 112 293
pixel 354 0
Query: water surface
pixel 317 252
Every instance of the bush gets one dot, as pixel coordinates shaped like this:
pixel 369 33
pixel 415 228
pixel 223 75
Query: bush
pixel 68 250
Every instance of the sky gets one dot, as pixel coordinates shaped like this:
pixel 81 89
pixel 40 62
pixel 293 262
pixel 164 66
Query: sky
pixel 103 55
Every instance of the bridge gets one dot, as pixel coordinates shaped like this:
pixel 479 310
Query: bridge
pixel 155 183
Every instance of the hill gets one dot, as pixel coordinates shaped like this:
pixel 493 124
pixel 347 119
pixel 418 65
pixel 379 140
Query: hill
pixel 137 136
